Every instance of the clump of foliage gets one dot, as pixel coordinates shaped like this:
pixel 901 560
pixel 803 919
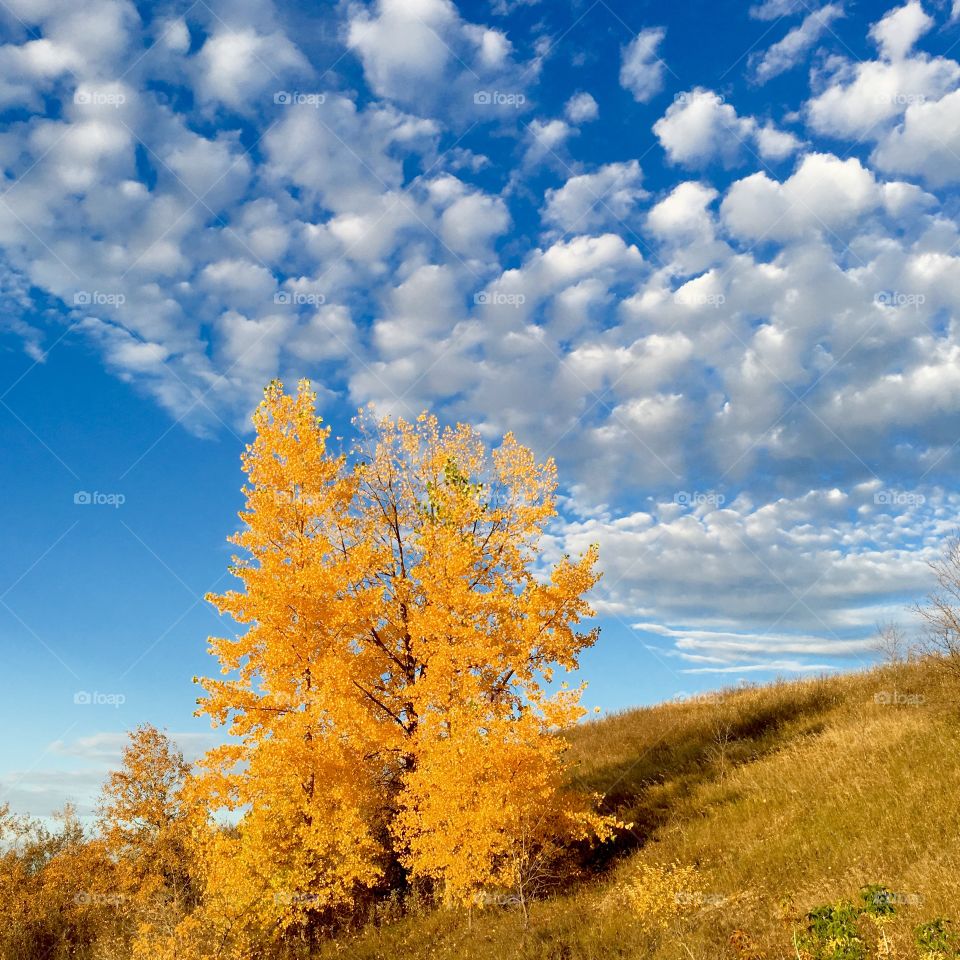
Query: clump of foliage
pixel 388 699
pixel 657 895
pixel 57 889
pixel 936 940
pixel 832 933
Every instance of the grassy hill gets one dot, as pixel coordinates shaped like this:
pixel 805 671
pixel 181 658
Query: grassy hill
pixel 750 809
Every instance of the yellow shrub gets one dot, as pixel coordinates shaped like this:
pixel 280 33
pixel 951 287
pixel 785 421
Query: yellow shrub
pixel 659 894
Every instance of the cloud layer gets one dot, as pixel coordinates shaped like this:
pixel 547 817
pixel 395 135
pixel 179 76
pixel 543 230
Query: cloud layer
pixel 393 205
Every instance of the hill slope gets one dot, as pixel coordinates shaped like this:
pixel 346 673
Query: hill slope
pixel 769 802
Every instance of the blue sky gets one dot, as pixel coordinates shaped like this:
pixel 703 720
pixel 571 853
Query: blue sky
pixel 705 255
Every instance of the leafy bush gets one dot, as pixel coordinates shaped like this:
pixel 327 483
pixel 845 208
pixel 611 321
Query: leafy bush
pixel 659 894
pixel 935 940
pixel 832 933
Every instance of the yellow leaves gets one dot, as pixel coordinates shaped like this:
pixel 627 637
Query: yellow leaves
pixel 659 894
pixel 385 692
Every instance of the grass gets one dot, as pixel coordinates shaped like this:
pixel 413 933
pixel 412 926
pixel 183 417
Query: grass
pixel 780 798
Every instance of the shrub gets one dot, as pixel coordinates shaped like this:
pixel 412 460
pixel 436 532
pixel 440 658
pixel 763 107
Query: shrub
pixel 659 894
pixel 832 933
pixel 935 940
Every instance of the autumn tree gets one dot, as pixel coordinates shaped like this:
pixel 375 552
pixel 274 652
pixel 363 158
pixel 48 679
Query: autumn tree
pixel 145 827
pixel 388 694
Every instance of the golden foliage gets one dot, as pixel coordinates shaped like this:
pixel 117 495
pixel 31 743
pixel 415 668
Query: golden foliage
pixel 660 894
pixel 387 697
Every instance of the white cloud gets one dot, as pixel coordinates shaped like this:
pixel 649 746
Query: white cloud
pixel 737 582
pixel 699 127
pixel 926 144
pixel 581 108
pixel 241 67
pixel 641 69
pixel 774 9
pixel 422 54
pixel 591 201
pixel 413 278
pixel 900 29
pixel 790 51
pixel 824 193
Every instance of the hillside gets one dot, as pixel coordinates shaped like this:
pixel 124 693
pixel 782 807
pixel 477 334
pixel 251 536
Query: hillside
pixel 772 801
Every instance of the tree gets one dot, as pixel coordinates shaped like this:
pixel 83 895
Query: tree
pixel 400 634
pixel 145 825
pixel 941 612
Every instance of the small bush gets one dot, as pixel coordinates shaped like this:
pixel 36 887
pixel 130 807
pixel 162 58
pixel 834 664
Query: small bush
pixel 935 940
pixel 832 933
pixel 659 894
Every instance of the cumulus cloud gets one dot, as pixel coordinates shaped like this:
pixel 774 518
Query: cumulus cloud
pixel 900 29
pixel 641 69
pixel 732 583
pixel 581 108
pixel 785 54
pixel 591 201
pixel 747 337
pixel 423 54
pixel 774 9
pixel 237 67
pixel 700 127
pixel 904 103
pixel 824 193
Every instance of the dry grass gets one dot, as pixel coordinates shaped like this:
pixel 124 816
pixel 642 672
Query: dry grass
pixel 781 798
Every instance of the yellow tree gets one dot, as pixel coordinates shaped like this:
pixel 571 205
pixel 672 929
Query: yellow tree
pixel 396 617
pixel 146 825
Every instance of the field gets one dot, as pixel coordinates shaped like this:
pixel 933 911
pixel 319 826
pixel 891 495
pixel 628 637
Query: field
pixel 780 799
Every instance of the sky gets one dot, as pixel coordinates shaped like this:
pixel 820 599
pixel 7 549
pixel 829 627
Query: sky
pixel 705 255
